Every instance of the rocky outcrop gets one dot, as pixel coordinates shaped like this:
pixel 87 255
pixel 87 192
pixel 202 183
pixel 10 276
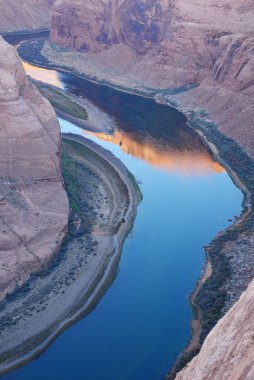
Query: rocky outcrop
pixel 227 92
pixel 25 15
pixel 33 203
pixel 227 353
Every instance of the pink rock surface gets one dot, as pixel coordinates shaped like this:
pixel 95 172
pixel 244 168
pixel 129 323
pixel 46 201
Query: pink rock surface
pixel 33 203
pixel 21 15
pixel 227 353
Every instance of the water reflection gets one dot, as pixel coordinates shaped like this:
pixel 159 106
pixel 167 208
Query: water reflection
pixel 47 76
pixel 164 156
pixel 147 130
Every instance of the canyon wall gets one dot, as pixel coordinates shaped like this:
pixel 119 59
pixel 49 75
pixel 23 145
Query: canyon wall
pixel 185 38
pixel 33 203
pixel 171 44
pixel 25 15
pixel 94 26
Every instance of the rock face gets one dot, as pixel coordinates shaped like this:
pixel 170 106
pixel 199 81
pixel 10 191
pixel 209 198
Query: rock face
pixel 229 349
pixel 186 36
pixel 25 15
pixel 33 203
pixel 96 25
pixel 172 44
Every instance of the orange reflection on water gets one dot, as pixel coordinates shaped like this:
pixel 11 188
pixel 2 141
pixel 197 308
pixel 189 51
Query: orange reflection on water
pixel 164 156
pixel 43 75
pixel 185 161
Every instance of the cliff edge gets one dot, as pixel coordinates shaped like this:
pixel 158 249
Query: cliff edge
pixel 227 353
pixel 33 204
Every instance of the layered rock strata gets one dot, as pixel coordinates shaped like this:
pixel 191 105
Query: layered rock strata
pixel 33 203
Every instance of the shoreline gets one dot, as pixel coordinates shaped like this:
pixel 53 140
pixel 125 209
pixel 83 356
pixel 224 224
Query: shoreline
pixel 193 346
pixel 247 205
pixel 102 278
pixel 89 79
pixel 93 123
pixel 147 92
pixel 196 326
pixel 25 32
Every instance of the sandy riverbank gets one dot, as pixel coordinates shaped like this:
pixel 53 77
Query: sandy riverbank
pixel 104 199
pixel 196 325
pixel 97 121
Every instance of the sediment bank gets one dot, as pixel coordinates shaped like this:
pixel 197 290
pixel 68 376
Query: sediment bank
pixel 103 198
pixel 72 108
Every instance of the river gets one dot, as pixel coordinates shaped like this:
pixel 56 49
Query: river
pixel 142 323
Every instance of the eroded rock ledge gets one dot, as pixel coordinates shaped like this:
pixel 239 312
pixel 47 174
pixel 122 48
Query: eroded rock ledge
pixel 33 204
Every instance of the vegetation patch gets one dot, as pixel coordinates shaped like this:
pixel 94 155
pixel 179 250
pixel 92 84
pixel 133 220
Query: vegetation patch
pixel 212 295
pixel 62 102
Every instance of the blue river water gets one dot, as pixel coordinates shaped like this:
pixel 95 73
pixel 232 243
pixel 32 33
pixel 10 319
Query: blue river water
pixel 142 323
